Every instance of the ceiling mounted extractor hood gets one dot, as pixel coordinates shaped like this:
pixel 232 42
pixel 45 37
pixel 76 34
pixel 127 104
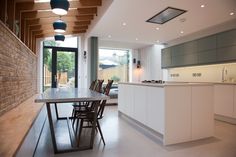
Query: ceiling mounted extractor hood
pixel 166 15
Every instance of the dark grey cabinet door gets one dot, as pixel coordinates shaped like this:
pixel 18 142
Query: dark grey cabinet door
pixel 226 54
pixel 177 50
pixel 226 39
pixel 166 52
pixel 184 60
pixel 166 58
pixel 206 43
pixel 206 57
pixel 190 47
pixel 165 62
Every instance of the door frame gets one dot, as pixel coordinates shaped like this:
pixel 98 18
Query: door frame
pixel 54 61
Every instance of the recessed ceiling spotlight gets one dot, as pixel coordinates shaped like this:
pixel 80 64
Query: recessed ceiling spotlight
pixel 136 38
pixel 232 13
pixel 182 32
pixel 124 24
pixel 202 6
pixel 157 28
pixel 109 36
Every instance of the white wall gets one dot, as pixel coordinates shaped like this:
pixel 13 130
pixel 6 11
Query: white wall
pixel 150 63
pixel 209 73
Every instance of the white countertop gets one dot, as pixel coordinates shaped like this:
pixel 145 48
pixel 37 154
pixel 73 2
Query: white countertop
pixel 168 84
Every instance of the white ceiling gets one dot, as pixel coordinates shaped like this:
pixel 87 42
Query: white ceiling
pixel 135 12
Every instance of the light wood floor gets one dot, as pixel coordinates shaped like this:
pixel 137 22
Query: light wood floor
pixel 126 140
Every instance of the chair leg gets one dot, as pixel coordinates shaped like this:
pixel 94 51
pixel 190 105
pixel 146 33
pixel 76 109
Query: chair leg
pixel 100 131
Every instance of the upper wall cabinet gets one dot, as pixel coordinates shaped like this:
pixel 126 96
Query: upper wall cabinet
pixel 226 39
pixel 207 43
pixel 166 57
pixel 218 48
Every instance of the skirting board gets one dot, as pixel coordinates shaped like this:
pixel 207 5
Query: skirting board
pixel 150 133
pixel 225 119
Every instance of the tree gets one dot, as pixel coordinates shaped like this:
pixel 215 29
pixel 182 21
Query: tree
pixel 46 52
pixel 64 63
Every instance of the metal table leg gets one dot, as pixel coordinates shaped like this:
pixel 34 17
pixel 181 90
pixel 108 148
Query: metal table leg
pixel 51 128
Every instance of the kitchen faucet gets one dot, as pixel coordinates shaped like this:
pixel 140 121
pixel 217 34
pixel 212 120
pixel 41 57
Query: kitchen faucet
pixel 224 74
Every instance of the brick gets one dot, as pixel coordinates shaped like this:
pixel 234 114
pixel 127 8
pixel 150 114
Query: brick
pixel 18 67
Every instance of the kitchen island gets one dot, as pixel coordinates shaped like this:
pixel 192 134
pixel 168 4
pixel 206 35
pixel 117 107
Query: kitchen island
pixel 179 112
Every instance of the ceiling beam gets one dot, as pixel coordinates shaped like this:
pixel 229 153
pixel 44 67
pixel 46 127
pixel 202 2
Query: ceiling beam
pixel 44 21
pixel 49 13
pixel 40 35
pixel 30 6
pixel 69 19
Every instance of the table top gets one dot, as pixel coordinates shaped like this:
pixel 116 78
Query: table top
pixel 57 95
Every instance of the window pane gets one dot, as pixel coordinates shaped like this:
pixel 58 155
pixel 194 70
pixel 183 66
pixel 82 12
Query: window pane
pixel 113 64
pixel 65 69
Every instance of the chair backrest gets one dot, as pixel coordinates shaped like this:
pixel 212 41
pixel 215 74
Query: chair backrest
pixel 103 103
pixel 108 87
pixel 98 87
pixel 92 85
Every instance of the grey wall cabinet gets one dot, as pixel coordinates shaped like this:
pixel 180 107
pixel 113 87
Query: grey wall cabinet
pixel 207 57
pixel 226 54
pixel 207 43
pixel 166 57
pixel 184 60
pixel 226 39
pixel 218 48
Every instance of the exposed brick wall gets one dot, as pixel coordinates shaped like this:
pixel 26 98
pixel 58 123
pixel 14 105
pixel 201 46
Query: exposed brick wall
pixel 18 71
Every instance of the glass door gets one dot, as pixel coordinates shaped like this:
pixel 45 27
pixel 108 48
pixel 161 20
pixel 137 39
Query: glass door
pixel 61 67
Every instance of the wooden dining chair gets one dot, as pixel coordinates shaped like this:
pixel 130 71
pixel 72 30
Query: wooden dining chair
pixel 78 106
pixel 92 85
pixel 89 116
pixel 98 87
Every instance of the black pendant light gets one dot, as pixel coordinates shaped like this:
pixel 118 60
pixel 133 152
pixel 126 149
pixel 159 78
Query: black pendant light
pixel 59 37
pixel 59 26
pixel 59 7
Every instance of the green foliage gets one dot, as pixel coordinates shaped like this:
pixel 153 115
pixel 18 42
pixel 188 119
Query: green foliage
pixel 65 62
pixel 46 52
pixel 46 56
pixel 115 78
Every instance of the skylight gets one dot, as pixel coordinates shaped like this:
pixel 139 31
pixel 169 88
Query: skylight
pixel 166 15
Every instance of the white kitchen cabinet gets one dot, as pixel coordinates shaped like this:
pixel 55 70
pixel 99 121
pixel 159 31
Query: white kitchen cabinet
pixel 177 114
pixel 202 112
pixel 126 99
pixel 129 95
pixel 224 100
pixel 121 98
pixel 180 112
pixel 155 109
pixel 140 103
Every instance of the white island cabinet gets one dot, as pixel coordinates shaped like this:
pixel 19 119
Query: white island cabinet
pixel 225 102
pixel 179 112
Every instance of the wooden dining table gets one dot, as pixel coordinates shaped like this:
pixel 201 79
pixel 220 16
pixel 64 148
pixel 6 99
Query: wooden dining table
pixel 67 95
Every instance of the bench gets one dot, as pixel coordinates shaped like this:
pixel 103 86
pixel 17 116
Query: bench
pixel 18 125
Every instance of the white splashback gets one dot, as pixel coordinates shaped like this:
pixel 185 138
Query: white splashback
pixel 206 73
pixel 150 63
